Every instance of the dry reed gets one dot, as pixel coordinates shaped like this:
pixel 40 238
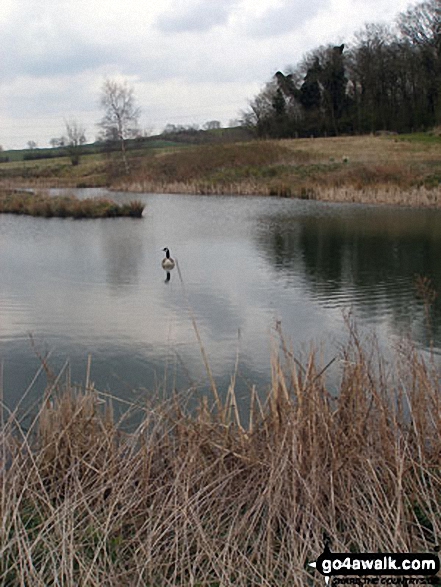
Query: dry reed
pixel 349 169
pixel 386 194
pixel 39 204
pixel 367 169
pixel 203 498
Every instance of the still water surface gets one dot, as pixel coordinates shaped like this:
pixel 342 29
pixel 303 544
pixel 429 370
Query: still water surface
pixel 97 287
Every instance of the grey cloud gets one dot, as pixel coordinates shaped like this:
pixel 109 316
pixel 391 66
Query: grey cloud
pixel 75 59
pixel 291 15
pixel 49 54
pixel 200 17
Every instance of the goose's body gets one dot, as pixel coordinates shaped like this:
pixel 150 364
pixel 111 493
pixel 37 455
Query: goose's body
pixel 167 263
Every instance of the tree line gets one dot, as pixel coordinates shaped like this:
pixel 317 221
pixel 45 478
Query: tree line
pixel 388 79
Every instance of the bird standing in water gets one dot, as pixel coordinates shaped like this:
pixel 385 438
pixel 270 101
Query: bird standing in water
pixel 167 263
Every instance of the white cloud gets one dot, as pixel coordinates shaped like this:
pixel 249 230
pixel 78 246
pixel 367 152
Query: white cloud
pixel 285 17
pixel 190 60
pixel 197 16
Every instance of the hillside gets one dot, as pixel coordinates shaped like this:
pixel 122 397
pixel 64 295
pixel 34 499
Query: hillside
pixel 402 169
pixel 386 169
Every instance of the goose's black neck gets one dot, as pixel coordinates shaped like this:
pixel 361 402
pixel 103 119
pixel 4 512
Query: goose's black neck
pixel 167 253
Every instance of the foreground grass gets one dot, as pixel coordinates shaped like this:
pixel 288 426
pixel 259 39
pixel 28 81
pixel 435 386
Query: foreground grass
pixel 12 202
pixel 203 498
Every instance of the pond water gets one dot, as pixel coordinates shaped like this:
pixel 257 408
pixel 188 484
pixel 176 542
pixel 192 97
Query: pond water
pixel 80 287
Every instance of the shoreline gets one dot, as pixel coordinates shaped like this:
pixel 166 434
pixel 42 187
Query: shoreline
pixel 382 195
pixel 391 195
pixel 400 171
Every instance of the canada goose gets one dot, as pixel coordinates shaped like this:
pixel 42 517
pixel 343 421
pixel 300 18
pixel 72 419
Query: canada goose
pixel 167 263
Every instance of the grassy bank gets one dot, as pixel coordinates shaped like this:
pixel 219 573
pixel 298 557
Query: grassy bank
pixel 356 169
pixel 204 498
pixel 36 204
pixel 92 171
pixel 401 170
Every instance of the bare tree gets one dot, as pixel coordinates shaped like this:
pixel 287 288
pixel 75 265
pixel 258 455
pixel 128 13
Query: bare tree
pixel 421 26
pixel 120 120
pixel 76 137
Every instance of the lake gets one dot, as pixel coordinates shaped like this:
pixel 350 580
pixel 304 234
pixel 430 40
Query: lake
pixel 80 287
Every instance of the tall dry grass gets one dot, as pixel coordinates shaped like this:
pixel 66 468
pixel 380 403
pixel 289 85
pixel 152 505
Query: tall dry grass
pixel 69 206
pixel 365 169
pixel 348 169
pixel 203 498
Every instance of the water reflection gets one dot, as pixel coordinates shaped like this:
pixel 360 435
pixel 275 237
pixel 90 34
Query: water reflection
pixel 367 257
pixel 97 287
pixel 123 252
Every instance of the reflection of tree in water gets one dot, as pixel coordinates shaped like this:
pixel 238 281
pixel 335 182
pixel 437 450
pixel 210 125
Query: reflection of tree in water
pixel 284 245
pixel 123 252
pixel 373 254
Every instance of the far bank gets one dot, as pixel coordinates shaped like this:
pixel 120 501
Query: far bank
pixel 391 170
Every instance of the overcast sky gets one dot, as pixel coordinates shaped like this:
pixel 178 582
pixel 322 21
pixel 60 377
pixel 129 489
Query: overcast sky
pixel 189 61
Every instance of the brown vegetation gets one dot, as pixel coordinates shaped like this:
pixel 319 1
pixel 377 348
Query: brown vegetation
pixel 349 169
pixel 369 169
pixel 205 498
pixel 37 204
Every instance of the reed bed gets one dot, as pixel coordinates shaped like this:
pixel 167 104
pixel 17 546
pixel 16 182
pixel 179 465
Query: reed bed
pixel 203 498
pixel 38 204
pixel 391 195
pixel 348 169
pixel 365 169
pixel 387 194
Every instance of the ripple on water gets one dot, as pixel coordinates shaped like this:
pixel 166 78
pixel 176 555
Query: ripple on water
pixel 374 301
pixel 98 287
